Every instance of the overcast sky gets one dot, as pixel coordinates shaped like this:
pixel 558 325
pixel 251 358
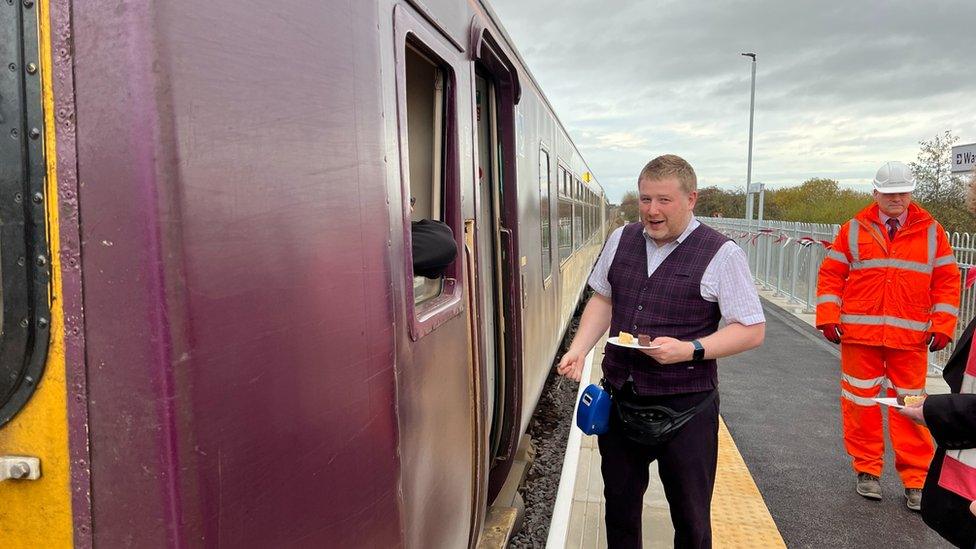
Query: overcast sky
pixel 841 87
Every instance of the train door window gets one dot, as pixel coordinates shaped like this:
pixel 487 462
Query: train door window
pixel 571 197
pixel 586 211
pixel 596 213
pixel 583 220
pixel 578 215
pixel 591 210
pixel 565 217
pixel 583 208
pixel 429 169
pixel 425 145
pixel 571 185
pixel 587 222
pixel 544 213
pixel 593 222
pixel 589 214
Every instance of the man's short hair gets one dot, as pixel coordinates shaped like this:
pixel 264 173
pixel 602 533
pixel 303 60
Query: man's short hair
pixel 668 165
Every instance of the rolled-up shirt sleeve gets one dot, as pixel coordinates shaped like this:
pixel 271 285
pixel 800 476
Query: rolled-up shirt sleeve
pixel 730 284
pixel 599 277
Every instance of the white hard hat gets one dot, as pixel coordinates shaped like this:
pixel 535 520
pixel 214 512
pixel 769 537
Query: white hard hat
pixel 894 177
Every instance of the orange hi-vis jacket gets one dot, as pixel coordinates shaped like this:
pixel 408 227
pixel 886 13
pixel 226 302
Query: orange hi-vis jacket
pixel 890 293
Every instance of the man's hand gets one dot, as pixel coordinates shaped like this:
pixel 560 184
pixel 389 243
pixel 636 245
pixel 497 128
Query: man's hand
pixel 938 341
pixel 914 413
pixel 571 365
pixel 671 350
pixel 831 332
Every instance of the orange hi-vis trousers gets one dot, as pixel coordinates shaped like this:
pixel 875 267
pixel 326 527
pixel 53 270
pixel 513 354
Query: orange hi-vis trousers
pixel 864 370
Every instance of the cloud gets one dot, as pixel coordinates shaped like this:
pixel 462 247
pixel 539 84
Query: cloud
pixel 620 140
pixel 840 88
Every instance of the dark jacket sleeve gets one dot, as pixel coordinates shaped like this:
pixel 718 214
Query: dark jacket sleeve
pixel 956 364
pixel 952 420
pixel 434 248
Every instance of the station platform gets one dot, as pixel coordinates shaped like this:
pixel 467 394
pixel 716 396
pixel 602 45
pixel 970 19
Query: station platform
pixel 783 477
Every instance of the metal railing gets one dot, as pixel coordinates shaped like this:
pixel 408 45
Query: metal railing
pixel 785 257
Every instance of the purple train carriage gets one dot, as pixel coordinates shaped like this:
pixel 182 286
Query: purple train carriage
pixel 212 332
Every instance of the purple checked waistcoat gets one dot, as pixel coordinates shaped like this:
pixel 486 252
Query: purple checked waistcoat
pixel 666 304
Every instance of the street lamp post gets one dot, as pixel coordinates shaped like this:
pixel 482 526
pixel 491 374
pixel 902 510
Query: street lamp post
pixel 752 107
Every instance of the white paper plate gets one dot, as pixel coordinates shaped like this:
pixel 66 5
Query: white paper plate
pixel 891 401
pixel 616 341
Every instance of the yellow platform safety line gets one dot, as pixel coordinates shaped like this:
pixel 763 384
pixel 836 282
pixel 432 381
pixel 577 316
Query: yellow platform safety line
pixel 740 517
pixel 38 513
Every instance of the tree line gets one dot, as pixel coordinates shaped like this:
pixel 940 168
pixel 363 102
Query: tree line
pixel 820 200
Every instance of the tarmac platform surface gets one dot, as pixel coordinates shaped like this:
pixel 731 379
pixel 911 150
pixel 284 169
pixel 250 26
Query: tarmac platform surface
pixel 781 406
pixel 781 403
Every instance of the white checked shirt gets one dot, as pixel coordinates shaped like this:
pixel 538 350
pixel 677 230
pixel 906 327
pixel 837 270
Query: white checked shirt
pixel 726 279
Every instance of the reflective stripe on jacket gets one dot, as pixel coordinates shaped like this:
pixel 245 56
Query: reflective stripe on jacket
pixel 890 292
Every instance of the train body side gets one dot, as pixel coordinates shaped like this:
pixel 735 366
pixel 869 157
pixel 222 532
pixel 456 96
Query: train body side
pixel 235 258
pixel 551 303
pixel 249 375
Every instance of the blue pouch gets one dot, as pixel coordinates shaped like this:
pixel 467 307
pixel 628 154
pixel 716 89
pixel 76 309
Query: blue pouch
pixel 593 411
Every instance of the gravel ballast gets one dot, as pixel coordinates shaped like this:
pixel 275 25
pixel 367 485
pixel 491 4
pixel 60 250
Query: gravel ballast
pixel 549 429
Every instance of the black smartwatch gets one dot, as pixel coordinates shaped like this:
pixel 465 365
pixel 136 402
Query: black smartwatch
pixel 699 353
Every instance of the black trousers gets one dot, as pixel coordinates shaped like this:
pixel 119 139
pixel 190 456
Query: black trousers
pixel 686 465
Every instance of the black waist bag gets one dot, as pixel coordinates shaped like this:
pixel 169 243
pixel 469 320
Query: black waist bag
pixel 650 425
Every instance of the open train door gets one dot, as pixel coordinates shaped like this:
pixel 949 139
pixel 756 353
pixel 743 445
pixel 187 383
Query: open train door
pixel 498 259
pixel 437 448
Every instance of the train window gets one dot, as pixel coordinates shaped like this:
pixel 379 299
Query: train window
pixel 598 211
pixel 589 215
pixel 544 213
pixel 584 210
pixel 565 239
pixel 573 208
pixel 592 208
pixel 587 222
pixel 426 124
pixel 425 145
pixel 578 217
pixel 585 231
pixel 593 216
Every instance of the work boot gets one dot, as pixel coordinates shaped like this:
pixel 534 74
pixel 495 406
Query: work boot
pixel 869 486
pixel 913 498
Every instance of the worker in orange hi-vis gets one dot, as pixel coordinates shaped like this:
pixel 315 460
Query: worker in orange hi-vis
pixel 888 292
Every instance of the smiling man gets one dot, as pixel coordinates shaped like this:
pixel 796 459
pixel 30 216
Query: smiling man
pixel 672 278
pixel 888 292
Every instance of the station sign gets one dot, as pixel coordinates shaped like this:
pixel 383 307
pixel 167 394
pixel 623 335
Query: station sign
pixel 963 158
pixel 756 188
